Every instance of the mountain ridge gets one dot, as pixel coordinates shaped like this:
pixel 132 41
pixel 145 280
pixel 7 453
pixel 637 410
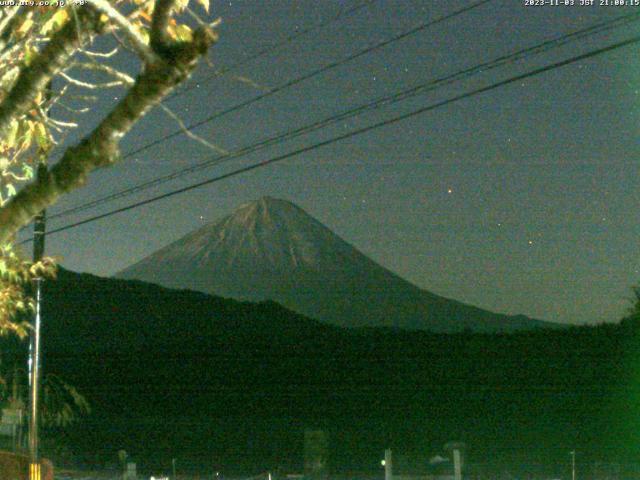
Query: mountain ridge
pixel 273 249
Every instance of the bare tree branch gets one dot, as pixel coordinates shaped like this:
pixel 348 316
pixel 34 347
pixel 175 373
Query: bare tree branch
pixel 108 54
pixel 159 25
pixel 9 52
pixel 46 65
pixel 9 14
pixel 101 147
pixel 91 86
pixel 71 109
pixel 138 43
pixel 60 123
pixel 14 15
pixel 190 134
pixel 83 98
pixel 107 70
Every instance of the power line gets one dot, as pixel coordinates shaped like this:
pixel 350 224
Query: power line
pixel 309 75
pixel 272 48
pixel 386 100
pixel 260 53
pixel 354 133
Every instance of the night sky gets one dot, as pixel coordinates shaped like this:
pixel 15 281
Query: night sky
pixel 519 200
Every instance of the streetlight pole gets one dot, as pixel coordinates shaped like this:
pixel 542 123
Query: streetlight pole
pixel 573 464
pixel 34 346
pixel 388 464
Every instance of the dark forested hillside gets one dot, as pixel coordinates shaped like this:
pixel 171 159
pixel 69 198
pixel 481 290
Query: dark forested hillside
pixel 232 385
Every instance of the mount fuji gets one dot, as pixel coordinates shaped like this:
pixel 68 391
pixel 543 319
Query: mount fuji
pixel 272 249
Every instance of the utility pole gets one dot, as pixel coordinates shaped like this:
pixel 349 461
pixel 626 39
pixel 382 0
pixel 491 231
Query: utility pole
pixel 173 468
pixel 388 464
pixel 39 224
pixel 457 464
pixel 34 345
pixel 573 464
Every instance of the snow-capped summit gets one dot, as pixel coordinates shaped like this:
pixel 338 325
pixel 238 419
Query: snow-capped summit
pixel 272 249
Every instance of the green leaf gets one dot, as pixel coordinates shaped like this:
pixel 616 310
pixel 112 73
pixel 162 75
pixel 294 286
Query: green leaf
pixel 30 55
pixel 11 190
pixel 12 133
pixel 181 5
pixel 27 135
pixel 42 136
pixel 24 28
pixel 57 20
pixel 27 171
pixel 205 4
pixel 184 33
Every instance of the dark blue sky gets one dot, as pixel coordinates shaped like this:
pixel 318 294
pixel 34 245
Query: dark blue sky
pixel 520 200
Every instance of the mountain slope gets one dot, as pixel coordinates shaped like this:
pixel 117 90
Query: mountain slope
pixel 272 249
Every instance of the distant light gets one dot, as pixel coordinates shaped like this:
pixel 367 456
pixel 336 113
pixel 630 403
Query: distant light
pixel 449 190
pixel 383 463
